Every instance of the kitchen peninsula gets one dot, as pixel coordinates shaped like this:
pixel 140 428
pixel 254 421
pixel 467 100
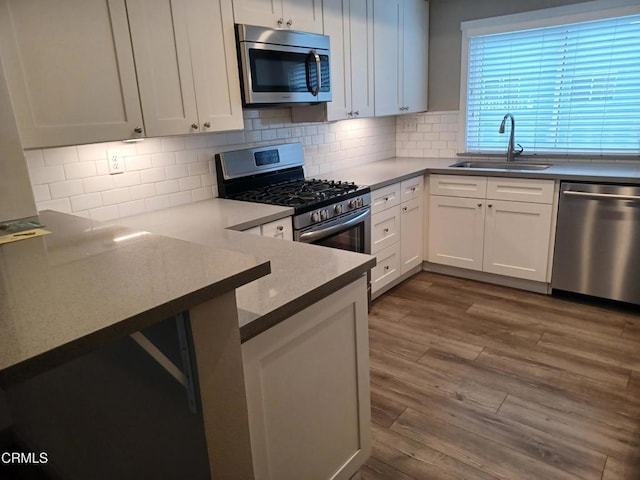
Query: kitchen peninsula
pixel 71 299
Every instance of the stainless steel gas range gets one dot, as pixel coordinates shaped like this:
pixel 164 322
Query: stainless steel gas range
pixel 329 213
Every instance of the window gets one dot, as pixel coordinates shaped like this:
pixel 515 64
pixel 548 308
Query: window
pixel 573 88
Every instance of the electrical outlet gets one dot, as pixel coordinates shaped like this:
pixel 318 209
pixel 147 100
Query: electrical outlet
pixel 116 162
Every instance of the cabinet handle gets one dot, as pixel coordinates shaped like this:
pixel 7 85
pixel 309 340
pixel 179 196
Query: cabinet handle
pixel 289 23
pixel 386 230
pixel 207 124
pixel 386 199
pixel 479 205
pixel 350 114
pixel 386 267
pixel 404 209
pixel 138 130
pixel 489 205
pixel 413 189
pixel 194 126
pixel 356 113
pixel 280 228
pixel 280 21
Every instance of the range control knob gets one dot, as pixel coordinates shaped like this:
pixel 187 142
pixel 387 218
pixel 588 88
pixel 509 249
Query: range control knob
pixel 338 208
pixel 324 214
pixel 360 202
pixel 351 204
pixel 315 217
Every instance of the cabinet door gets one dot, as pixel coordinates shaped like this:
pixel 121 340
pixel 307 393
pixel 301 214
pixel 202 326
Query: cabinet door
pixel 265 13
pixel 303 15
pixel 388 63
pixel 307 382
pixel 215 65
pixel 70 71
pixel 160 38
pixel 415 55
pixel 456 230
pixel 517 239
pixel 335 16
pixel 361 55
pixel 411 235
pixel 387 267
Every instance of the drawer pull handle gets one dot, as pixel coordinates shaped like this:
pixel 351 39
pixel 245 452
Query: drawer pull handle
pixel 404 209
pixel 386 199
pixel 280 228
pixel 386 267
pixel 479 204
pixel 490 205
pixel 413 189
pixel 386 230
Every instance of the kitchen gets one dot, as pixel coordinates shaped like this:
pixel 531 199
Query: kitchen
pixel 175 171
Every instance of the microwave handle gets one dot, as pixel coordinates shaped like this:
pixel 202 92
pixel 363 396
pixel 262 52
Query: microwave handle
pixel 316 90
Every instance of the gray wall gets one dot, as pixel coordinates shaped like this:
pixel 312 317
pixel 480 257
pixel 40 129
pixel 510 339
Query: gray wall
pixel 16 197
pixel 445 39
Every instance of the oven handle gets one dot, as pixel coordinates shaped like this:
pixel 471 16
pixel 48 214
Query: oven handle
pixel 308 237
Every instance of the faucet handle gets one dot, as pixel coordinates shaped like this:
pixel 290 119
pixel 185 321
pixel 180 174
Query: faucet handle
pixel 518 152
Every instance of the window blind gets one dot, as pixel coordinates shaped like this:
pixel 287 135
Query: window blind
pixel 572 89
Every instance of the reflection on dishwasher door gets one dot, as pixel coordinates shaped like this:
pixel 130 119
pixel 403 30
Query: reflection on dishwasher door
pixel 598 241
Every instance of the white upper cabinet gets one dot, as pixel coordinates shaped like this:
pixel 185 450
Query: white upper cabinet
pixel 349 23
pixel 401 56
pixel 302 15
pixel 186 65
pixel 70 71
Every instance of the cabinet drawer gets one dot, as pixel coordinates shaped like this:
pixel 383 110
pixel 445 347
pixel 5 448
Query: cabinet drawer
pixel 458 186
pixel 384 198
pixel 281 229
pixel 520 189
pixel 411 189
pixel 387 268
pixel 385 228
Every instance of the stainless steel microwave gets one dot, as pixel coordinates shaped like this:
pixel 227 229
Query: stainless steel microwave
pixel 283 67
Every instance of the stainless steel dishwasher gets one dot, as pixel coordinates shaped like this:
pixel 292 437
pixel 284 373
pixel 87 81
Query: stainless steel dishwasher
pixel 598 241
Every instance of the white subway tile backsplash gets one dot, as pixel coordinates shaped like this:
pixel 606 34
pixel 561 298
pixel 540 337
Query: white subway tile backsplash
pixel 177 171
pixel 68 188
pixel 41 193
pixel 116 196
pixel 86 201
pixel 79 170
pixel 170 186
pixel 152 175
pixel 161 172
pixel 46 175
pixel 190 183
pixel 146 190
pixel 103 214
pixel 60 156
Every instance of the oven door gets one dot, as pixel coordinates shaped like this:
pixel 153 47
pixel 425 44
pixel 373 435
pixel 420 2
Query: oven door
pixel 351 232
pixel 284 74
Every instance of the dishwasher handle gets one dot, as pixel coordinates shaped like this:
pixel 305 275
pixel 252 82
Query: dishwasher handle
pixel 611 196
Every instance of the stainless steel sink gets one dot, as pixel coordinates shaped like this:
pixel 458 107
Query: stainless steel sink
pixel 515 165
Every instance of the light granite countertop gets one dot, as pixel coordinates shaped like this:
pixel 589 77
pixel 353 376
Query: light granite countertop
pixel 88 283
pixel 385 172
pixel 301 274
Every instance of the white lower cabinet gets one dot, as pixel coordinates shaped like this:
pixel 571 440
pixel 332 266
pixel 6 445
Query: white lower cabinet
pixel 503 227
pixel 281 229
pixel 396 231
pixel 307 383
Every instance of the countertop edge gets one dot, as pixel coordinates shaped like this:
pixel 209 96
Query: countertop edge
pixel 238 227
pixel 126 326
pixel 274 317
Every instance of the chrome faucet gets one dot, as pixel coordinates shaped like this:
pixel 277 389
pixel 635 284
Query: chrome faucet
pixel 512 153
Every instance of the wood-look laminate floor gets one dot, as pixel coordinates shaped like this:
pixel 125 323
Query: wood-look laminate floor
pixel 475 381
